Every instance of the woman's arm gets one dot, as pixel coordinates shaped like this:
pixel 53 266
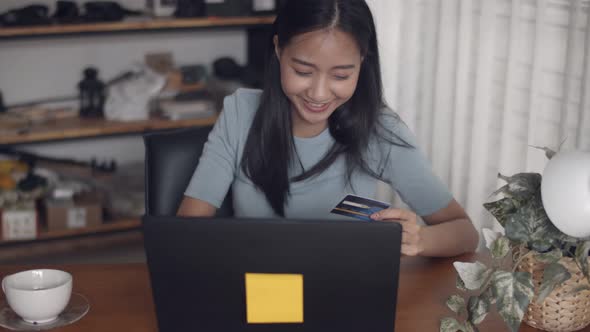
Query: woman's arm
pixel 218 163
pixel 192 207
pixel 449 231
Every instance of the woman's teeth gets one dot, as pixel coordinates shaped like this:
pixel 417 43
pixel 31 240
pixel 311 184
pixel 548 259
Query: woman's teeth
pixel 317 105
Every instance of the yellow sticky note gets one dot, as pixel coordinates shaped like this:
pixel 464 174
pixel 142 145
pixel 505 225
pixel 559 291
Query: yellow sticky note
pixel 274 298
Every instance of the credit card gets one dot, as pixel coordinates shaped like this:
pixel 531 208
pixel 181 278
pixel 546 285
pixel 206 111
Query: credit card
pixel 359 207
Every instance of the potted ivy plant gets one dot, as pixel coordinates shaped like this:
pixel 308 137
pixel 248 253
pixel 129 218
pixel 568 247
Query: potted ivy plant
pixel 535 270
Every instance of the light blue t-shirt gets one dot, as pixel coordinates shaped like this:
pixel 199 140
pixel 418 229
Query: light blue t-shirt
pixel 406 169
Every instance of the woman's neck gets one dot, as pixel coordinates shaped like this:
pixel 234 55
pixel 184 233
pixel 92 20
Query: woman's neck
pixel 308 131
pixel 303 129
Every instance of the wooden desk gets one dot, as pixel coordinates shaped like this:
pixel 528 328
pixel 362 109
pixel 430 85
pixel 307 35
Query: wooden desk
pixel 121 300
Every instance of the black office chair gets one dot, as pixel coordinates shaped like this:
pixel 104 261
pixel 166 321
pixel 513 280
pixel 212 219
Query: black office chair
pixel 170 160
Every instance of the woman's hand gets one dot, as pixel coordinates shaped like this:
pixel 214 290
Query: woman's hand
pixel 412 240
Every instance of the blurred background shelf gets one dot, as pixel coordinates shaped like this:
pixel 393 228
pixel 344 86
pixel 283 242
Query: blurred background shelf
pixel 83 127
pixel 107 227
pixel 110 226
pixel 144 24
pixel 124 245
pixel 244 38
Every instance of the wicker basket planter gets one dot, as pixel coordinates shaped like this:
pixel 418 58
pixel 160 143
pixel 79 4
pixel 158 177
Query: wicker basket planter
pixel 562 310
pixel 523 231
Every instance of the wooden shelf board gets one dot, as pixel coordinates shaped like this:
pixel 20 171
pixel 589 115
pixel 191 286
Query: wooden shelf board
pixel 19 251
pixel 113 226
pixel 135 25
pixel 108 227
pixel 80 127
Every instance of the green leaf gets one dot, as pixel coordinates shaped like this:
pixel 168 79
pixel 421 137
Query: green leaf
pixel 582 257
pixel 498 244
pixel 529 224
pixel 520 186
pixel 516 228
pixel 500 209
pixel 456 303
pixel 450 324
pixel 543 232
pixel 573 240
pixel 500 247
pixel 488 293
pixel 534 216
pixel 478 307
pixel 541 245
pixel 513 292
pixel 460 284
pixel 472 274
pixel 549 153
pixel 578 289
pixel 549 257
pixel 490 236
pixel 554 275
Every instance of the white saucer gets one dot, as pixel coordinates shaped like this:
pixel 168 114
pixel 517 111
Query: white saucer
pixel 76 309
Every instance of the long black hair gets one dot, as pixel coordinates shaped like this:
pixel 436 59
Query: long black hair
pixel 270 148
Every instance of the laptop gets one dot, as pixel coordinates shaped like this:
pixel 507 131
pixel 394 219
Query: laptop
pixel 232 275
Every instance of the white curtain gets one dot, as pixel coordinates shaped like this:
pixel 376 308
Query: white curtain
pixel 481 81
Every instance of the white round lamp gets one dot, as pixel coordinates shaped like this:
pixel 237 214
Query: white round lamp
pixel 565 191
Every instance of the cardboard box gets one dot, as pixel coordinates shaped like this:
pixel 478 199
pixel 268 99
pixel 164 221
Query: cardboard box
pixel 80 212
pixel 19 223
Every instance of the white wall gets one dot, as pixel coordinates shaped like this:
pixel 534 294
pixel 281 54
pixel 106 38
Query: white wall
pixel 39 68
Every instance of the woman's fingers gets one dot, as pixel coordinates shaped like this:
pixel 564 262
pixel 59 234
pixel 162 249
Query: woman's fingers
pixel 409 250
pixel 393 215
pixel 410 237
pixel 411 231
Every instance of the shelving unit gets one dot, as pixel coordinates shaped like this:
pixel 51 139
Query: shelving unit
pixel 71 129
pixel 138 25
pixel 83 128
pixel 77 128
pixel 113 226
pixel 119 225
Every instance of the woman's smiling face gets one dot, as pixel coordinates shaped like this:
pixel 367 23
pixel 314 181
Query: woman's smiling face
pixel 319 73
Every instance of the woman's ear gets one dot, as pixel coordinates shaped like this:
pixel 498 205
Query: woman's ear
pixel 275 41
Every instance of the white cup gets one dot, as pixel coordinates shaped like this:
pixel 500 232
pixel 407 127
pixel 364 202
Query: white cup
pixel 38 296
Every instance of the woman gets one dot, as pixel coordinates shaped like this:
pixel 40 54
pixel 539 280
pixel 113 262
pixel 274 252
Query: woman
pixel 320 130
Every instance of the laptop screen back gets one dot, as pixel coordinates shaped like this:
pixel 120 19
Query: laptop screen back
pixel 212 274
